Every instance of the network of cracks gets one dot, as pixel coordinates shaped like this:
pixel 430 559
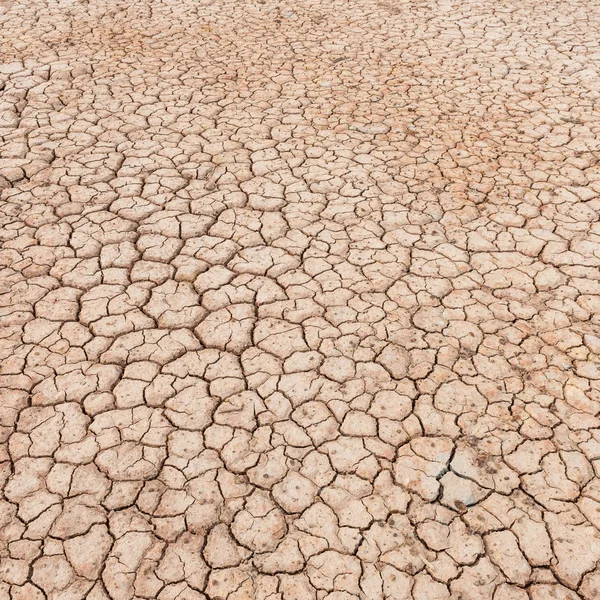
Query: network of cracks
pixel 299 300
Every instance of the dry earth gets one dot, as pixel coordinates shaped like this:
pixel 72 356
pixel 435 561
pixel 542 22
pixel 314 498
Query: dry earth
pixel 300 300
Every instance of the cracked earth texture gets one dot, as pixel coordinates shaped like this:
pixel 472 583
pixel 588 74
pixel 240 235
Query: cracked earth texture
pixel 300 300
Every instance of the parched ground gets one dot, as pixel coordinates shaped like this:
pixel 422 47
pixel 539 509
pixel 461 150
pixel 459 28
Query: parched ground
pixel 300 300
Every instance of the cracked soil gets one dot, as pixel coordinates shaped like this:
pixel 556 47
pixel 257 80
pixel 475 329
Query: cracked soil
pixel 299 300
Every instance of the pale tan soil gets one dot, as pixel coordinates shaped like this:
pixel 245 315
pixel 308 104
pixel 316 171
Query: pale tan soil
pixel 300 300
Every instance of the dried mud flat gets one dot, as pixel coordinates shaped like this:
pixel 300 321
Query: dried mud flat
pixel 300 300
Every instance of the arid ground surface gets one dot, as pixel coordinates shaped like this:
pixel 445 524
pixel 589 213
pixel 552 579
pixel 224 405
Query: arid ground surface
pixel 300 300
